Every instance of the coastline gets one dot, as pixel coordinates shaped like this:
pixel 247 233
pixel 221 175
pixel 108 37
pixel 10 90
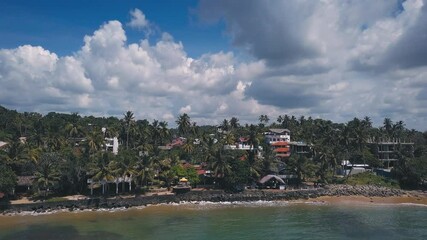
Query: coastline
pixel 331 194
pixel 357 199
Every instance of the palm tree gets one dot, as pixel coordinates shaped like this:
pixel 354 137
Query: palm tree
pixel 166 173
pixel 188 147
pixel 184 124
pixel 164 131
pixel 255 165
pixel 17 152
pixel 263 119
pixel 388 126
pixel 221 166
pixel 144 131
pixel 279 119
pixel 254 138
pixel 144 168
pixel 115 171
pixel 37 138
pixel 230 139
pixel 359 131
pixel 398 129
pixel 234 123
pixel 73 129
pixel 47 172
pixel 225 125
pixel 127 164
pixel 128 120
pixel 54 142
pixel 101 169
pixel 93 141
pixel 209 148
pixel 367 121
pixel 34 154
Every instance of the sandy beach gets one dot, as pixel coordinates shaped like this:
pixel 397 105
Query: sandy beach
pixel 410 198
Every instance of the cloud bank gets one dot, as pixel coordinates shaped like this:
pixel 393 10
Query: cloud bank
pixel 334 59
pixel 330 59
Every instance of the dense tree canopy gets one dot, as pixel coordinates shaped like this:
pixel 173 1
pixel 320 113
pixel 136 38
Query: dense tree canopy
pixel 62 151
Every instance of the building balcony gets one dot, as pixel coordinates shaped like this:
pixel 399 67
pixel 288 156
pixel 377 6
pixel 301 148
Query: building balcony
pixel 281 150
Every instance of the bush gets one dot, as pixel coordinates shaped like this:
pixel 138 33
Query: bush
pixel 368 178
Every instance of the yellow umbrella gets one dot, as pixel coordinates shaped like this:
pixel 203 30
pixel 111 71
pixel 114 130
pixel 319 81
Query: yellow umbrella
pixel 183 180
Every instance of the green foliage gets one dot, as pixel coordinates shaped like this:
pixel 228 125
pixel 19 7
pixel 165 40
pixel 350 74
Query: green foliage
pixel 238 176
pixel 302 167
pixel 192 176
pixel 47 172
pixel 7 179
pixel 75 146
pixel 368 178
pixel 365 157
pixel 411 172
pixel 190 173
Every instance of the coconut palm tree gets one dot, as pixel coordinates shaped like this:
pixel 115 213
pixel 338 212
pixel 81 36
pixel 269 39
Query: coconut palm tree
pixel 144 168
pixel 209 148
pixel 220 165
pixel 398 129
pixel 102 169
pixel 128 121
pixel 234 123
pixel 54 142
pixel 388 126
pixel 229 138
pixel 184 124
pixel 163 131
pixel 144 134
pixel 17 152
pixel 225 125
pixel 255 165
pixel 263 120
pixel 73 129
pixel 94 141
pixel 155 132
pixel 47 173
pixel 33 154
pixel 127 166
pixel 302 166
pixel 188 146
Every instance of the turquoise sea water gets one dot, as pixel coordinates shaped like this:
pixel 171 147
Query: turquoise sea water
pixel 227 221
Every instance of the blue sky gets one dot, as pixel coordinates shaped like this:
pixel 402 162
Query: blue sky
pixel 60 25
pixel 217 59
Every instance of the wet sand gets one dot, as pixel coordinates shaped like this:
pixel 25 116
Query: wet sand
pixel 413 198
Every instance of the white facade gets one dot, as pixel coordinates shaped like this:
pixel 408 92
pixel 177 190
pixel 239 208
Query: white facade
pixel 277 135
pixel 112 144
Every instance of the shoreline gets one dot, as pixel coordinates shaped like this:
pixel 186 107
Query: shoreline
pixel 353 201
pixel 331 194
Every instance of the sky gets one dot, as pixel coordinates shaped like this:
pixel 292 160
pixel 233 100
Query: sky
pixel 217 59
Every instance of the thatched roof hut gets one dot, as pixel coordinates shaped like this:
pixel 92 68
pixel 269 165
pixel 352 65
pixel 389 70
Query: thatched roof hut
pixel 269 177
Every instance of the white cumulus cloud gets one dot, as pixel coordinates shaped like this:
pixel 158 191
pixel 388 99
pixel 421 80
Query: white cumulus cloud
pixel 329 59
pixel 138 19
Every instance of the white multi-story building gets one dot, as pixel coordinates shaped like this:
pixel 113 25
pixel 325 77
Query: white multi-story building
pixel 277 135
pixel 112 144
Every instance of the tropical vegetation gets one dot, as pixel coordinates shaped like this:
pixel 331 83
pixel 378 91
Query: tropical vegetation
pixel 66 153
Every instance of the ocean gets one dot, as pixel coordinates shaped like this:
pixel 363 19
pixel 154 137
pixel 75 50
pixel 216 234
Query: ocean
pixel 258 220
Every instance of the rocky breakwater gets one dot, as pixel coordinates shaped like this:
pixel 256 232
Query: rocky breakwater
pixel 364 190
pixel 269 195
pixel 207 196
